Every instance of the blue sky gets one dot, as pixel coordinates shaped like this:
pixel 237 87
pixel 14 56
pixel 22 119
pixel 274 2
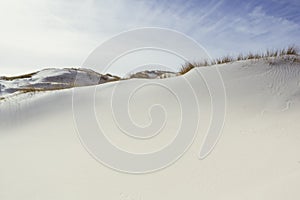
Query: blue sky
pixel 59 33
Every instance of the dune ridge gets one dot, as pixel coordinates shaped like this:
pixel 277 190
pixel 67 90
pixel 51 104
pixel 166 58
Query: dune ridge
pixel 257 156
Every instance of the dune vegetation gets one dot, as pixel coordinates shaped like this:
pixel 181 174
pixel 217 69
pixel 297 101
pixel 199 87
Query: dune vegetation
pixel 289 51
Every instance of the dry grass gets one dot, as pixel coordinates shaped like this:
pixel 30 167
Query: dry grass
pixel 291 50
pixel 225 59
pixel 186 68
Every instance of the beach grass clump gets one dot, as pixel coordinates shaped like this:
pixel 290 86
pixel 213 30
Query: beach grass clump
pixel 186 68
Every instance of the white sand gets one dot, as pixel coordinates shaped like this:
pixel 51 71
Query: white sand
pixel 257 157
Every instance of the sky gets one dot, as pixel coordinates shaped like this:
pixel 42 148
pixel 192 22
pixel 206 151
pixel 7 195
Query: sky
pixel 36 34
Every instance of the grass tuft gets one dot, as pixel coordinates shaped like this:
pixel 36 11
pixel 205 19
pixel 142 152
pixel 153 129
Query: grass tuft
pixel 186 68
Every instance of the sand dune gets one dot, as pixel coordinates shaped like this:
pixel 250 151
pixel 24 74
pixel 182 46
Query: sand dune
pixel 257 156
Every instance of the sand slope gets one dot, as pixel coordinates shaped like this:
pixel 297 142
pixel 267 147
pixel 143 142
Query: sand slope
pixel 257 157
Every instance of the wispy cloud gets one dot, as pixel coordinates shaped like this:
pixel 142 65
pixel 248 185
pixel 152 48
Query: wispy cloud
pixel 45 33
